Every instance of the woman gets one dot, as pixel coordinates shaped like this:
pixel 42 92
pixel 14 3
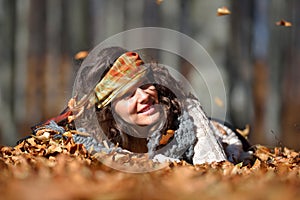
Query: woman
pixel 141 108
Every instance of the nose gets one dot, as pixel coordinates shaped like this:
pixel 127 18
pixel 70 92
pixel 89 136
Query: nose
pixel 142 96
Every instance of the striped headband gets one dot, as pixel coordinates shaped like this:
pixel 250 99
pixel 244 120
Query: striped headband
pixel 126 71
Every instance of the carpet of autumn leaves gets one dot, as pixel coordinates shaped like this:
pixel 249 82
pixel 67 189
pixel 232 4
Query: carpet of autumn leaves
pixel 48 167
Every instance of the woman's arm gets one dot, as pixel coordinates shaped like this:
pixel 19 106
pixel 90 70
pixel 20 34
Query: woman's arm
pixel 207 148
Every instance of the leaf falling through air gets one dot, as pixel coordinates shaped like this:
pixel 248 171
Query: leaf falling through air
pixel 283 23
pixel 223 11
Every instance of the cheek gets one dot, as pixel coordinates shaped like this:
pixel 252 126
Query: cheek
pixel 120 108
pixel 124 109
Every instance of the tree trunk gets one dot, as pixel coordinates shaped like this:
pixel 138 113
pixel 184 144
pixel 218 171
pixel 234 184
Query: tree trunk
pixel 291 87
pixel 7 67
pixel 36 85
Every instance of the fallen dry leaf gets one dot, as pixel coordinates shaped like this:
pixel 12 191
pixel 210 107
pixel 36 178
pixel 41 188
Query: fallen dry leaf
pixel 57 168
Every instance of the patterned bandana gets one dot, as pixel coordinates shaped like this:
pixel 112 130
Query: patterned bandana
pixel 127 70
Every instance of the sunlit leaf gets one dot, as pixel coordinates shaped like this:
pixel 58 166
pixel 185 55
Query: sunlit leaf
pixel 283 23
pixel 66 170
pixel 244 132
pixel 81 55
pixel 219 102
pixel 223 11
pixel 158 2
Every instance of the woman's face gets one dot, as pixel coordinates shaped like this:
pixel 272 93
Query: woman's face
pixel 139 106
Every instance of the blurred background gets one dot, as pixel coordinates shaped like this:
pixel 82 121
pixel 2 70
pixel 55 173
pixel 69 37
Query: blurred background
pixel 258 58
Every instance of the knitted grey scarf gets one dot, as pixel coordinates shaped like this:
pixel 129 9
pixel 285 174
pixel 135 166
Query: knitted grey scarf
pixel 181 147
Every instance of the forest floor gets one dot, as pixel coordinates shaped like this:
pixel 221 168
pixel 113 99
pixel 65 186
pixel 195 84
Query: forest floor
pixel 44 167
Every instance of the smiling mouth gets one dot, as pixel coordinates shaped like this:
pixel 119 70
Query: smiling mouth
pixel 147 109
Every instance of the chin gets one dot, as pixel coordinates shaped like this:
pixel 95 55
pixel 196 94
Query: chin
pixel 149 120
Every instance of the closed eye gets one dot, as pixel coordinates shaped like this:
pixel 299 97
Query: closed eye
pixel 128 94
